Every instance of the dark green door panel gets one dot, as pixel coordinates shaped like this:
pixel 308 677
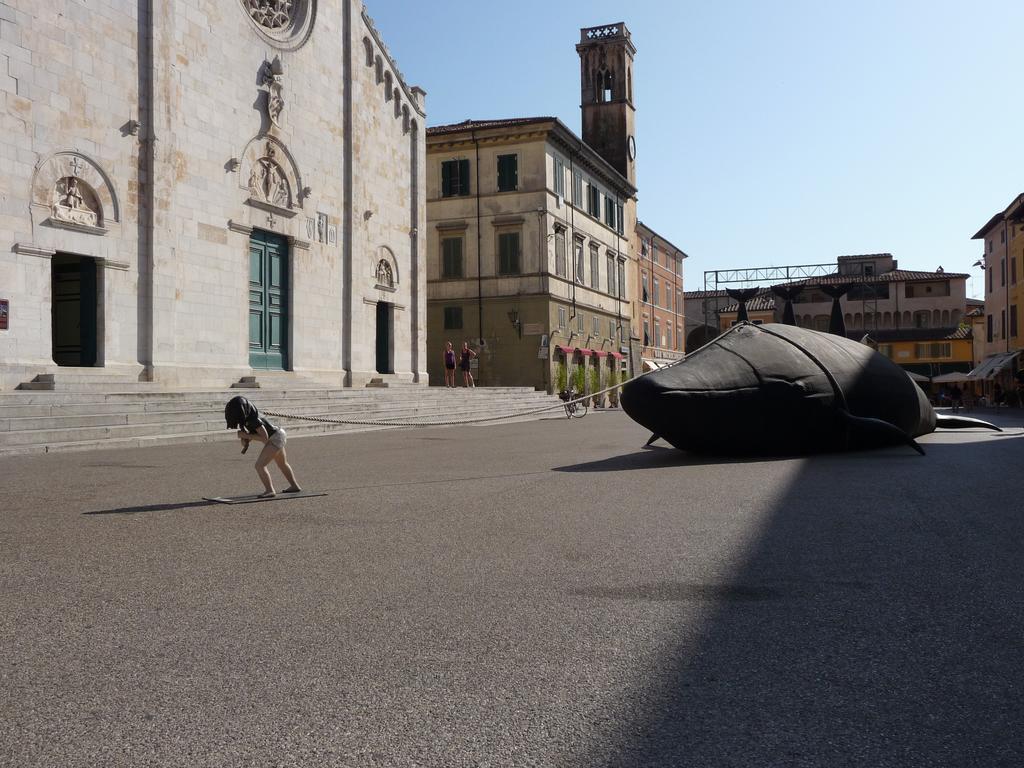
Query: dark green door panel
pixel 268 301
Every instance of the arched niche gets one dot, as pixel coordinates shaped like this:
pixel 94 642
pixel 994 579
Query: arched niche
pixel 270 177
pixel 71 191
pixel 384 269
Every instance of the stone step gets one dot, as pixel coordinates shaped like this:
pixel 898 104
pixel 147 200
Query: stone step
pixel 222 395
pixel 213 435
pixel 106 414
pixel 119 426
pixel 44 409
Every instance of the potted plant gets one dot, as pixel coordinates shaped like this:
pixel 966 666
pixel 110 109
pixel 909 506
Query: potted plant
pixel 578 380
pixel 595 386
pixel 561 380
pixel 613 395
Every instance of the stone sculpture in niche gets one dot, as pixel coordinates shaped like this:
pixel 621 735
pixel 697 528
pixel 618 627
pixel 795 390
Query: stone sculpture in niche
pixel 272 77
pixel 385 276
pixel 272 14
pixel 75 203
pixel 267 181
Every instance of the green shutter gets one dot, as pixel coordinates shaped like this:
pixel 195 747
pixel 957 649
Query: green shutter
pixel 446 179
pixel 464 177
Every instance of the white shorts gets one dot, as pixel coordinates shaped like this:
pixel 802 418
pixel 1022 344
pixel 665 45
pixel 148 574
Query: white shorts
pixel 279 438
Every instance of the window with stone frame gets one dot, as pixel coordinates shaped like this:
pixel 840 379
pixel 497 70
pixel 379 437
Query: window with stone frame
pixel 560 251
pixel 509 253
pixel 577 246
pixel 580 325
pixel 611 273
pixel 559 177
pixel 508 173
pixel 455 178
pixel 577 189
pixel 594 201
pixel 643 287
pixel 595 266
pixel 596 326
pixel 561 317
pixel 609 212
pixel 453 318
pixel 451 257
pixel 622 278
pixel 611 330
pixel 620 226
pixel 654 294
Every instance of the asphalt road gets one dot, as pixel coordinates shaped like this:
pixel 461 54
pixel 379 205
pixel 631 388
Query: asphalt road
pixel 532 594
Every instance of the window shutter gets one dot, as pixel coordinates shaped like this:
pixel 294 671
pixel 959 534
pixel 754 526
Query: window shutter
pixel 446 179
pixel 464 177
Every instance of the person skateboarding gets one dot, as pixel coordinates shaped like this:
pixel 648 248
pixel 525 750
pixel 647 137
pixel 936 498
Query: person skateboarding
pixel 242 415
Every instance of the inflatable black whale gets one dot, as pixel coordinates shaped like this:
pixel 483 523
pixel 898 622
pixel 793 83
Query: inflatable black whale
pixel 779 389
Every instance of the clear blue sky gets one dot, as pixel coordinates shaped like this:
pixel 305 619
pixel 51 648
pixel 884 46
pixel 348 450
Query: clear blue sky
pixel 768 133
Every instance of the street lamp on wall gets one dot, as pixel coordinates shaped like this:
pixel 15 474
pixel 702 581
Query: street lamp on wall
pixel 513 317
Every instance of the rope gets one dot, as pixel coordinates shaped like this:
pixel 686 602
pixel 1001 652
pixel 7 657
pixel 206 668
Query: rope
pixel 451 422
pixel 478 419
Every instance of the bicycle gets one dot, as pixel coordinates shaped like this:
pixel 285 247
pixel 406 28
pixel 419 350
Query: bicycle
pixel 573 409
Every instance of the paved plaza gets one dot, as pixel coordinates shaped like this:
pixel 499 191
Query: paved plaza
pixel 532 594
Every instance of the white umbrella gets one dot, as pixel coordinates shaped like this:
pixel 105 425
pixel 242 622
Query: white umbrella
pixel 917 376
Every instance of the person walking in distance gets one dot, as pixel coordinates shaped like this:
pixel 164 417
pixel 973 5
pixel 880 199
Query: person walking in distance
pixel 449 365
pixel 467 355
pixel 242 415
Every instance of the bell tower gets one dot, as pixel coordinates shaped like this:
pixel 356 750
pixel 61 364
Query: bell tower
pixel 606 88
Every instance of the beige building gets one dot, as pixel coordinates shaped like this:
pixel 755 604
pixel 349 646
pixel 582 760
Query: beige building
pixel 196 191
pixel 530 230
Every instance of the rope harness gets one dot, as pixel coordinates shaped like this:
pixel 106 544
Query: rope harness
pixel 450 422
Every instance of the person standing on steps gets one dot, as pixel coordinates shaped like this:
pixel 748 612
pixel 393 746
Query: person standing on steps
pixel 240 414
pixel 467 355
pixel 449 365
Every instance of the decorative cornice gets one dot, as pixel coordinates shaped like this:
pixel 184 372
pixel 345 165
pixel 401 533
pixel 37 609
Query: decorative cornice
pixel 239 227
pixel 28 249
pixel 415 101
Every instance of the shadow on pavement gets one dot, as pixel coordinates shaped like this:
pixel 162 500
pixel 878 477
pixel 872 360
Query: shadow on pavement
pixel 153 508
pixel 872 623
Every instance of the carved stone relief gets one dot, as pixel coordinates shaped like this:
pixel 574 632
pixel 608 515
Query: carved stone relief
pixel 285 24
pixel 385 277
pixel 272 76
pixel 75 202
pixel 70 191
pixel 272 14
pixel 268 182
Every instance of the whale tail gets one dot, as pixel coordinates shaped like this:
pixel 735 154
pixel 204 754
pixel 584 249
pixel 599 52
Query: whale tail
pixel 962 422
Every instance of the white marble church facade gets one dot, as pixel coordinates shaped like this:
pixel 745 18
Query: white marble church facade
pixel 192 191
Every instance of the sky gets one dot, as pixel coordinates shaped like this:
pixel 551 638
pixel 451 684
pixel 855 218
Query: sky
pixel 768 133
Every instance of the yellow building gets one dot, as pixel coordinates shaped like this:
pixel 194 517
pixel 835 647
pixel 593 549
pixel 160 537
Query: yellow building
pixel 760 309
pixel 530 233
pixel 1002 238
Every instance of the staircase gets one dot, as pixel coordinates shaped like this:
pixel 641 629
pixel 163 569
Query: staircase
pixel 80 418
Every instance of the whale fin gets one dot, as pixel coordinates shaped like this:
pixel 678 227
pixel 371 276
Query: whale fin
pixel 867 432
pixel 962 422
pixel 654 436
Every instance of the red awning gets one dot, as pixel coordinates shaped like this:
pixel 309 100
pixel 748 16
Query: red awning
pixel 564 350
pixel 599 353
pixel 616 355
pixel 585 352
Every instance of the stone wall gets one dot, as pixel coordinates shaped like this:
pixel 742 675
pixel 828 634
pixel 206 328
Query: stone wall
pixel 248 123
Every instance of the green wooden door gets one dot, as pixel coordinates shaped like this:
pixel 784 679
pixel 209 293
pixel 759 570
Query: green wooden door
pixel 268 301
